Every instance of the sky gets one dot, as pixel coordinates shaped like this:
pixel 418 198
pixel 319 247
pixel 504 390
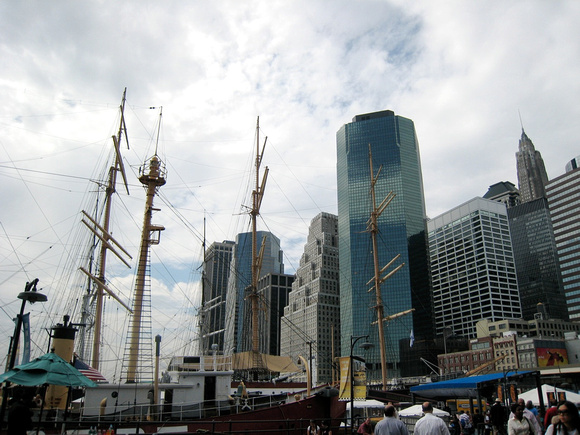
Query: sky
pixel 469 74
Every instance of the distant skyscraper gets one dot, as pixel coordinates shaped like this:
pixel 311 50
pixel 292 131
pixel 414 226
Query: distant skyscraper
pixel 505 192
pixel 273 292
pixel 472 267
pixel 564 203
pixel 401 231
pixel 216 268
pixel 240 280
pixel 312 316
pixel 536 260
pixel 532 176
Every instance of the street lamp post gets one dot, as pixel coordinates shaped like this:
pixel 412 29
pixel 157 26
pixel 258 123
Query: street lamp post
pixel 30 294
pixel 365 345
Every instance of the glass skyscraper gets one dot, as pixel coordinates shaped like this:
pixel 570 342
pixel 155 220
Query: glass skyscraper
pixel 536 260
pixel 239 281
pixel 216 268
pixel 402 230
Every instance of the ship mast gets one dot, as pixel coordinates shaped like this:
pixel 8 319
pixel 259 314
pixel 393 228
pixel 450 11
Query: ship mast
pixel 257 196
pixel 373 228
pixel 154 178
pixel 102 232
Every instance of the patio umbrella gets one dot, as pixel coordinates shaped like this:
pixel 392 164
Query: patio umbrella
pixel 48 369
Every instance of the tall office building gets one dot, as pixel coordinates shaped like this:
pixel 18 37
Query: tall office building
pixel 532 176
pixel 472 267
pixel 536 260
pixel 240 280
pixel 312 317
pixel 401 231
pixel 273 290
pixel 563 194
pixel 216 271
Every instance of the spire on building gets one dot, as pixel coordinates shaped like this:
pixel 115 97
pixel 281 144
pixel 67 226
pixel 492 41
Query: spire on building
pixel 532 176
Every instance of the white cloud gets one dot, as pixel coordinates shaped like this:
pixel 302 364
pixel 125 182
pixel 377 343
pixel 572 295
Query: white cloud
pixel 461 71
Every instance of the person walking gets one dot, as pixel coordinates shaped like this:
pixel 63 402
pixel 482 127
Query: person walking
pixel 518 424
pixel 529 415
pixel 366 427
pixel 550 412
pixel 391 425
pixel 498 417
pixel 430 424
pixel 569 423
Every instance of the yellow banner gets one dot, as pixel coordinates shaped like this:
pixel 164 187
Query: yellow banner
pixel 360 379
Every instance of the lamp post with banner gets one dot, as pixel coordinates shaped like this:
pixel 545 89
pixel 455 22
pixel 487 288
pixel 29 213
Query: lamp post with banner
pixel 365 345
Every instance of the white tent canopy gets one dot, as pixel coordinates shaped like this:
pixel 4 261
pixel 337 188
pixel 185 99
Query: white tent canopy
pixel 366 404
pixel 533 395
pixel 417 411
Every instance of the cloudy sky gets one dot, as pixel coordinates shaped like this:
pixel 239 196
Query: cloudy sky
pixel 463 71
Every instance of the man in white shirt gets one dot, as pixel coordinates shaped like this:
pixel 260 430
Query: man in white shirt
pixel 391 425
pixel 430 424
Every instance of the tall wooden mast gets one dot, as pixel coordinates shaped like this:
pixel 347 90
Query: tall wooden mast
pixel 373 228
pixel 102 232
pixel 257 196
pixel 152 177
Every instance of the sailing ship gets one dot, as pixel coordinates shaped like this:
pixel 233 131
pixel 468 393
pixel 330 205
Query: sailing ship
pixel 196 392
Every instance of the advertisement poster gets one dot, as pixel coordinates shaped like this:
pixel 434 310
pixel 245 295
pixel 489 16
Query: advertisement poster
pixel 551 357
pixel 360 379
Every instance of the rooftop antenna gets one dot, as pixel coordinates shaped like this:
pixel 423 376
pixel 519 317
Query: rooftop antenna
pixel 521 122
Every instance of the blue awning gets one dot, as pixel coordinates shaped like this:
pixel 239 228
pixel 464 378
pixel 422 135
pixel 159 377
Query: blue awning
pixel 462 387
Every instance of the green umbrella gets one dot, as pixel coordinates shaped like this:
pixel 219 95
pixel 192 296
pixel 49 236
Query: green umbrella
pixel 48 369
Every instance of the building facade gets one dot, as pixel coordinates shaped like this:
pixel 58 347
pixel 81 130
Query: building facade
pixel 273 290
pixel 538 327
pixel 532 176
pixel 536 260
pixel 563 194
pixel 240 280
pixel 459 363
pixel 506 352
pixel 472 267
pixel 216 272
pixel 311 323
pixel 395 148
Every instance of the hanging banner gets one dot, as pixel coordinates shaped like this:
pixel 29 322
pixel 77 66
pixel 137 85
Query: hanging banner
pixel 344 390
pixel 26 338
pixel 360 378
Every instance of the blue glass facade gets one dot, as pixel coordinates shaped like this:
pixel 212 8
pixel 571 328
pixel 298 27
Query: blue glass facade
pixel 401 231
pixel 240 279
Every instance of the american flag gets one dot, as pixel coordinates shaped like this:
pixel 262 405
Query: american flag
pixel 88 371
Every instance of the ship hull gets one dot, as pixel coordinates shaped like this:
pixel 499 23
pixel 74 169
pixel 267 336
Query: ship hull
pixel 288 418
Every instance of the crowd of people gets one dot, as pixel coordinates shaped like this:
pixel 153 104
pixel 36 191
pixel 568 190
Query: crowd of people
pixel 522 418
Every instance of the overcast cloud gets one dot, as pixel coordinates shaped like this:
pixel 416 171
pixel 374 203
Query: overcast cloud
pixel 462 71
